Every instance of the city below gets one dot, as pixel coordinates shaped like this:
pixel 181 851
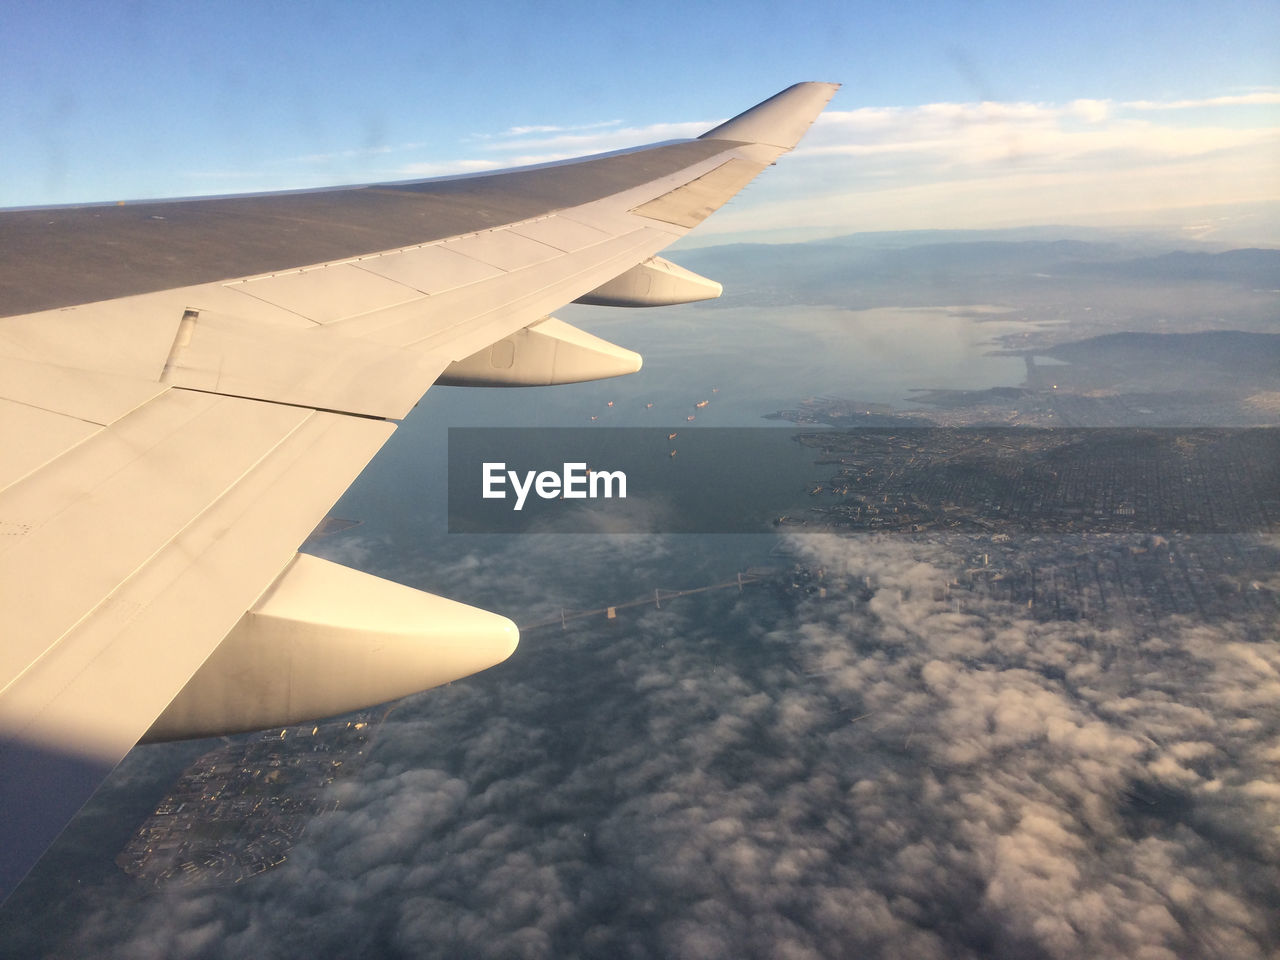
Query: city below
pixel 1013 480
pixel 237 810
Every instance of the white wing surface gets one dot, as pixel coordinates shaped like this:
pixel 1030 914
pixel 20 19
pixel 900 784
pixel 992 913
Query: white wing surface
pixel 186 387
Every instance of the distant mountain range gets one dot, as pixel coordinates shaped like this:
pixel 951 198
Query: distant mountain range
pixel 1255 267
pixel 965 255
pixel 1237 352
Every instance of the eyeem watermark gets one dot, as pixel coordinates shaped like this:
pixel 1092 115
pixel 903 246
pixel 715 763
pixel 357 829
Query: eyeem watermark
pixel 573 482
pixel 986 481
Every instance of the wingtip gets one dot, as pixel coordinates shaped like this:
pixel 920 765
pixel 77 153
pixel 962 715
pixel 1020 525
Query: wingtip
pixel 781 120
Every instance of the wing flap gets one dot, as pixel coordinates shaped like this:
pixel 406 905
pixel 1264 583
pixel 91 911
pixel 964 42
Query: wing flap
pixel 100 398
pixel 452 321
pixel 561 232
pixel 432 269
pixel 31 437
pixel 505 249
pixel 228 355
pixel 381 364
pixel 328 293
pixel 120 586
pixel 107 508
pixel 691 203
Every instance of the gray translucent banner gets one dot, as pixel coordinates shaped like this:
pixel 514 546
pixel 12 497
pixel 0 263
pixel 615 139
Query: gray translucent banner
pixel 890 480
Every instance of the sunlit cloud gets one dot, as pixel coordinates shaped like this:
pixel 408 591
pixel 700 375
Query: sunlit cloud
pixel 444 168
pixel 555 128
pixel 1263 98
pixel 953 165
pixel 882 767
pixel 988 133
pixel 576 141
pixel 960 165
pixel 343 155
pixel 523 146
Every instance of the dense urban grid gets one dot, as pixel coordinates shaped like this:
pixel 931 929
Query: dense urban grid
pixel 1067 481
pixel 236 811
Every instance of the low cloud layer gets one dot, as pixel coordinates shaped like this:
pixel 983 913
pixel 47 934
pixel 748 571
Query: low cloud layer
pixel 876 773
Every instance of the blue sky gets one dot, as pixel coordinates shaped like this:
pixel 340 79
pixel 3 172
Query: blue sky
pixel 964 114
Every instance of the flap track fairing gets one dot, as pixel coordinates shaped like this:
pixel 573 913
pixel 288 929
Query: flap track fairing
pixel 325 640
pixel 543 353
pixel 654 283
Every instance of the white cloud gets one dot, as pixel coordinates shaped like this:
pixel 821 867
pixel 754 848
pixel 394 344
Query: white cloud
pixel 872 773
pixel 553 128
pixel 1094 111
pixel 445 168
pixel 964 165
pixel 1261 98
pixel 571 141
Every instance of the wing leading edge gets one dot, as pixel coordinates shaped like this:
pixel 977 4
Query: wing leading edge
pixel 186 387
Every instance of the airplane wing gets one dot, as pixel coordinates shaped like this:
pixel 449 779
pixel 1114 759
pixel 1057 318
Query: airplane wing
pixel 186 387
